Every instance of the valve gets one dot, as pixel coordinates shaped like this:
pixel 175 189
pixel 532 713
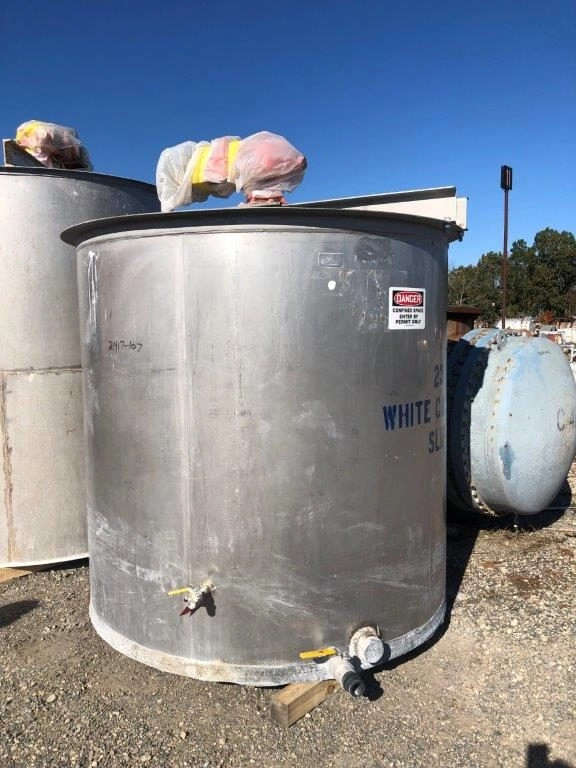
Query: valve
pixel 193 596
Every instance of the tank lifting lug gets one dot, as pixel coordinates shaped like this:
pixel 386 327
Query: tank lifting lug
pixel 500 340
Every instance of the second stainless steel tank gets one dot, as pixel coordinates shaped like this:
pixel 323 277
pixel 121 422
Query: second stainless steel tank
pixel 265 405
pixel 42 504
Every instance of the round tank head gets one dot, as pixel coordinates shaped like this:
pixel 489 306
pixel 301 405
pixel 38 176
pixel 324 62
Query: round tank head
pixel 512 422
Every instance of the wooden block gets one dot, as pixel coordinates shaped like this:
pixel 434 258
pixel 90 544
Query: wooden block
pixel 294 701
pixel 12 573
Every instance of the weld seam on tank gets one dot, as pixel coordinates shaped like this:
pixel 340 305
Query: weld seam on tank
pixel 7 465
pixel 57 370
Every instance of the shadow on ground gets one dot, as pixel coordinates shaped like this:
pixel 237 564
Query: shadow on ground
pixel 14 611
pixel 538 756
pixel 463 530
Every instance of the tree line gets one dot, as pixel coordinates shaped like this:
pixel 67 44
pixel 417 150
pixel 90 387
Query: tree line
pixel 541 279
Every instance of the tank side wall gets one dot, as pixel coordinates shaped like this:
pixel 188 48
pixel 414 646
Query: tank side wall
pixel 236 389
pixel 42 489
pixel 44 514
pixel 39 310
pixel 134 363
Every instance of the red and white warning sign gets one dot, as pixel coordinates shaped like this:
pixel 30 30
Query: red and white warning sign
pixel 407 308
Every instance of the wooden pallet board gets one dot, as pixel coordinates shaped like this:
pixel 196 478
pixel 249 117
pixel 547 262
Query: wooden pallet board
pixel 294 701
pixel 6 574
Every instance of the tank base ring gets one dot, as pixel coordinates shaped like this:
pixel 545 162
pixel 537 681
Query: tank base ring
pixel 43 562
pixel 244 674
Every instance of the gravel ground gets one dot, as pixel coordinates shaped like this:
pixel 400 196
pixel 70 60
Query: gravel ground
pixel 494 688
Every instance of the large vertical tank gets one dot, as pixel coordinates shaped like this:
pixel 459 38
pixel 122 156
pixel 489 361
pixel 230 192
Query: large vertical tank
pixel 42 517
pixel 265 410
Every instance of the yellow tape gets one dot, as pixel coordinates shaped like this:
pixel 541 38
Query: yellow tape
pixel 233 148
pixel 27 130
pixel 318 654
pixel 200 167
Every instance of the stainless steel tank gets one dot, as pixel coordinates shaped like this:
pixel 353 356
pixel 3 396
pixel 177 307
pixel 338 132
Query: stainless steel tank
pixel 265 406
pixel 42 458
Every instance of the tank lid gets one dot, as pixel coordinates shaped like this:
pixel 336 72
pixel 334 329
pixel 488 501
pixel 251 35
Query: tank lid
pixel 99 178
pixel 435 203
pixel 293 216
pixel 379 198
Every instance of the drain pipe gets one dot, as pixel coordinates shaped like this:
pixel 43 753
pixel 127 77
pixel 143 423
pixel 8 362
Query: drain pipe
pixel 344 673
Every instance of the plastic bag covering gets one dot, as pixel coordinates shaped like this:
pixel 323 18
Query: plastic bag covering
pixel 191 171
pixel 264 166
pixel 55 146
pixel 267 165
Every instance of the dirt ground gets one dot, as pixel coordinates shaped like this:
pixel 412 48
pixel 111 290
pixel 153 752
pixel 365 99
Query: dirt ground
pixel 495 687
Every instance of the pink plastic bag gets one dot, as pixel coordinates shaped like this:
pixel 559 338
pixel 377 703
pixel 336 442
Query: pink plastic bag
pixel 266 166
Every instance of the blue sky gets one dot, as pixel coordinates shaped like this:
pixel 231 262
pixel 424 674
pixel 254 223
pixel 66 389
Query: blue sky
pixel 379 96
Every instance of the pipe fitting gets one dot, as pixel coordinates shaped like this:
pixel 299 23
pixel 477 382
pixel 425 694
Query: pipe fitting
pixel 194 596
pixel 367 646
pixel 345 675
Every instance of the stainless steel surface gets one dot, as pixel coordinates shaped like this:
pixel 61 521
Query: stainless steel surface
pixel 14 154
pixel 42 478
pixel 237 366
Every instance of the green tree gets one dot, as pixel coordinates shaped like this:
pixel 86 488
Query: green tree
pixel 460 284
pixel 521 265
pixel 541 278
pixel 555 253
pixel 486 292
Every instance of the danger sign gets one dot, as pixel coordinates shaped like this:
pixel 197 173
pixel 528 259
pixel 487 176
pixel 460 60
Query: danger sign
pixel 407 308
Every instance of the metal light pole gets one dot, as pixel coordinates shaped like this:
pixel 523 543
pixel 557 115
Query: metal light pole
pixel 506 185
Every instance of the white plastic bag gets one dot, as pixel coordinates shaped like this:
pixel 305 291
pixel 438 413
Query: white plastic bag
pixel 55 146
pixel 263 166
pixel 191 171
pixel 174 175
